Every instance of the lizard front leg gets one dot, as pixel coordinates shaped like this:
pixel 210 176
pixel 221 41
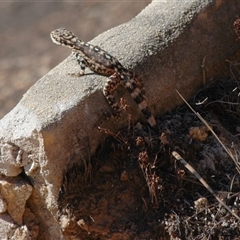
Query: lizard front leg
pixel 81 62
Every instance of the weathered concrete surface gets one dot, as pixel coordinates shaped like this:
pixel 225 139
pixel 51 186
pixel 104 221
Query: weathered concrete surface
pixel 54 125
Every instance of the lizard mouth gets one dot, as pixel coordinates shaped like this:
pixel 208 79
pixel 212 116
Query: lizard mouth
pixel 56 41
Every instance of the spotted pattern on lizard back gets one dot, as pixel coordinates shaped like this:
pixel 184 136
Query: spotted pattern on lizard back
pixel 101 62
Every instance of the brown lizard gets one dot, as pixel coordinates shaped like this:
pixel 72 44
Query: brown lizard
pixel 101 62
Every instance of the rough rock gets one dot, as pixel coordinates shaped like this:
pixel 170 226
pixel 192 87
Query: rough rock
pixel 55 123
pixel 15 192
pixel 10 230
pixel 7 226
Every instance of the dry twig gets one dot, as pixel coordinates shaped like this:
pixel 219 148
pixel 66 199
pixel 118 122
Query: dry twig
pixel 204 183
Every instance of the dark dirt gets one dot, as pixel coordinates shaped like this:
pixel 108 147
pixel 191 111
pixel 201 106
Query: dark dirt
pixel 134 189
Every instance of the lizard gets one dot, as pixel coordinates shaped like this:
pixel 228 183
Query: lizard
pixel 101 62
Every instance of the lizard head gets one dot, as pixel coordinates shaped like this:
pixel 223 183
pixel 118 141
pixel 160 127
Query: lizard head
pixel 63 37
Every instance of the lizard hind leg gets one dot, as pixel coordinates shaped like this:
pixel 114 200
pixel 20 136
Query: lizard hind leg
pixel 108 91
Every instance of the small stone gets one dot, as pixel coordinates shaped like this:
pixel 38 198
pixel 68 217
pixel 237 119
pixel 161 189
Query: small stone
pixel 124 176
pixel 22 233
pixel 199 133
pixel 3 205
